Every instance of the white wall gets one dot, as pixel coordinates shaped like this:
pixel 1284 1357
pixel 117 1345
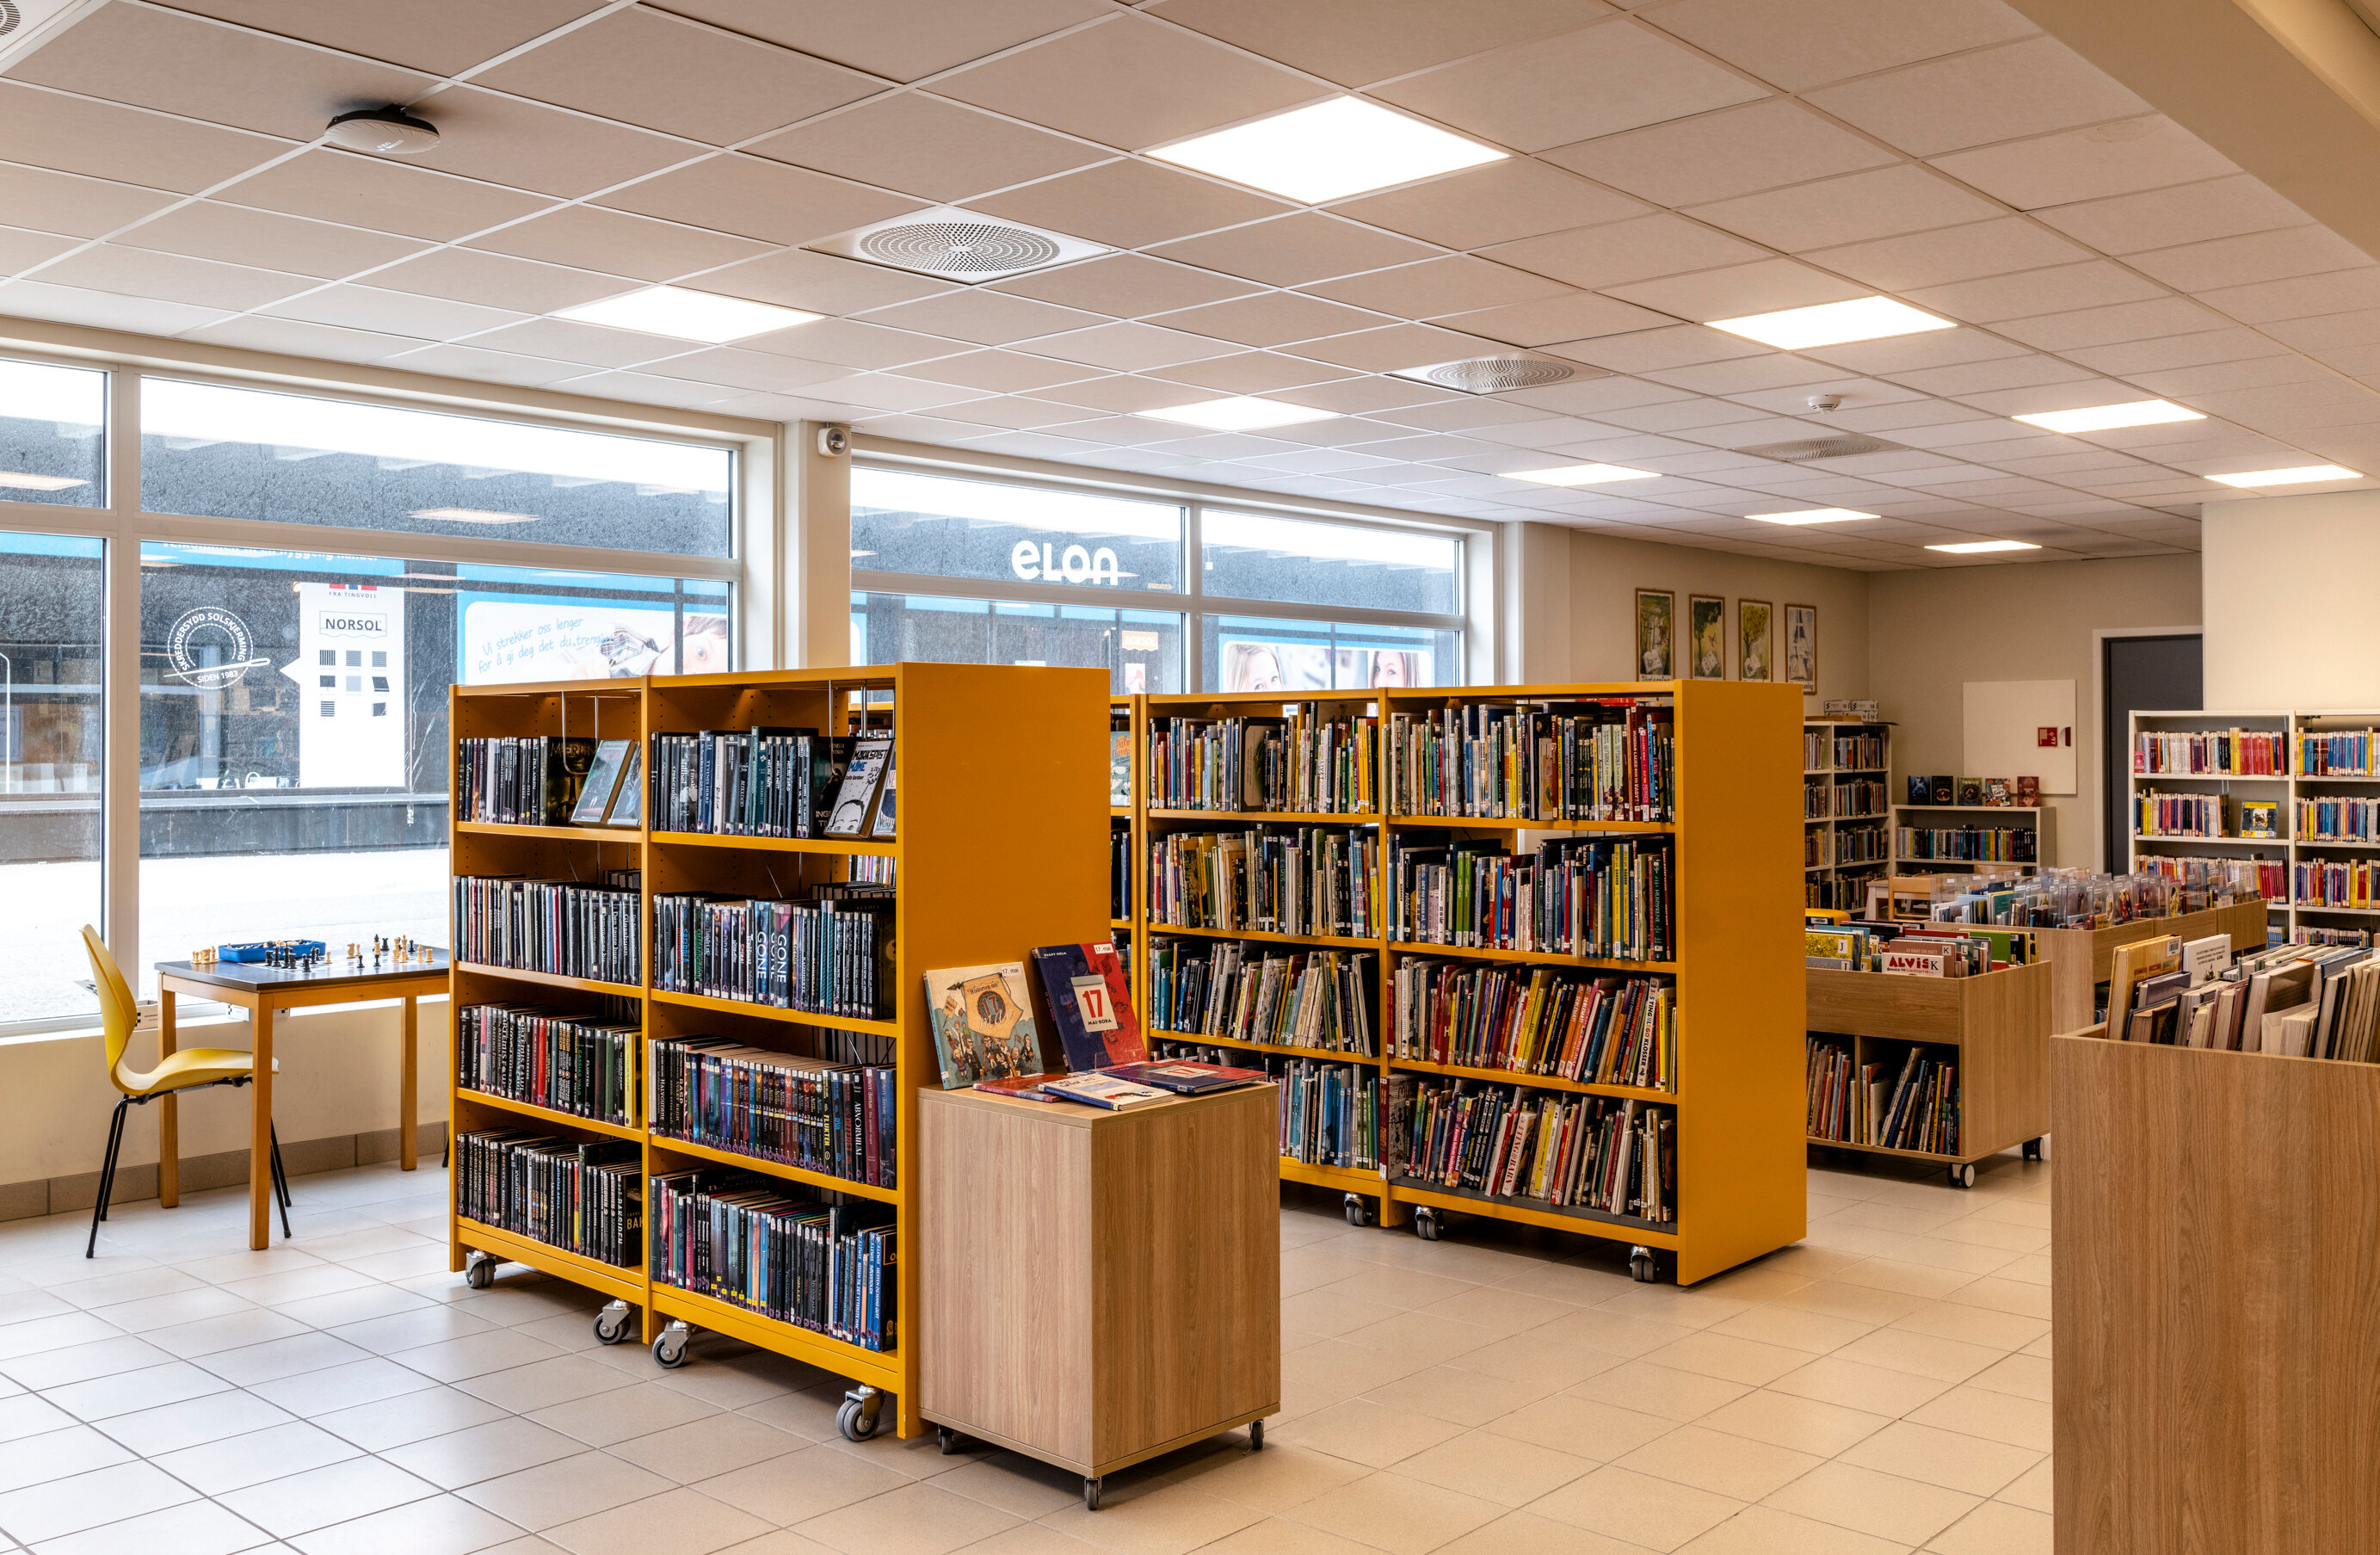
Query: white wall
pixel 2292 591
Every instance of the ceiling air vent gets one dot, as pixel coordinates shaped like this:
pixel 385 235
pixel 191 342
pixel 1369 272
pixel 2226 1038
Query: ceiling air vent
pixel 956 244
pixel 1804 450
pixel 11 18
pixel 1491 375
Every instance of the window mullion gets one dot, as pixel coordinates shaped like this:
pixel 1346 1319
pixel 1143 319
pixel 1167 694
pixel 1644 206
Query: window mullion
pixel 120 682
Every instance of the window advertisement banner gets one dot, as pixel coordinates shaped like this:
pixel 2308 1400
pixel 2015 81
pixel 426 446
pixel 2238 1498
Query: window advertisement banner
pixel 507 637
pixel 1253 653
pixel 944 528
pixel 350 672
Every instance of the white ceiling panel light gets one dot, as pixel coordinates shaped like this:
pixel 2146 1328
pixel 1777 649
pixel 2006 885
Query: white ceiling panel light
pixel 1811 516
pixel 1238 413
pixel 1832 323
pixel 2302 475
pixel 1328 150
pixel 951 244
pixel 687 315
pixel 1582 474
pixel 1978 547
pixel 2107 418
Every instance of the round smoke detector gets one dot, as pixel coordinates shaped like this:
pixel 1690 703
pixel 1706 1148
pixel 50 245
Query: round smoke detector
pixel 1494 375
pixel 11 18
pixel 959 247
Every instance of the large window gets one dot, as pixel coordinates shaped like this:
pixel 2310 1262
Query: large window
pixel 1005 572
pixel 53 628
pixel 51 447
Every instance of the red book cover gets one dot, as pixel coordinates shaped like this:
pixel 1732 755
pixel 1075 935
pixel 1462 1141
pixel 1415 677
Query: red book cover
pixel 1090 1003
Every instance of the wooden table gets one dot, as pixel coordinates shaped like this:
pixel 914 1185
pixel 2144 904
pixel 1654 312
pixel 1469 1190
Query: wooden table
pixel 264 992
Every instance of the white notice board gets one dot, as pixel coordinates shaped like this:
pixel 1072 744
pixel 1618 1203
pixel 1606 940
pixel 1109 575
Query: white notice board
pixel 2021 728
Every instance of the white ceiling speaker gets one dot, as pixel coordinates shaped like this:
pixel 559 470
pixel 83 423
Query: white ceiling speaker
pixel 11 18
pixel 1802 450
pixel 1491 375
pixel 390 130
pixel 955 245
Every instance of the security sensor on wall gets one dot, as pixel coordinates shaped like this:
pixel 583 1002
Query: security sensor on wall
pixel 834 442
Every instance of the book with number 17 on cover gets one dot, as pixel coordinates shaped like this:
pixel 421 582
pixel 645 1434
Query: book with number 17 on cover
pixel 1090 1003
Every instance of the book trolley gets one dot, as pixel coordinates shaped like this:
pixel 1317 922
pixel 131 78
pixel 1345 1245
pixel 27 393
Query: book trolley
pixel 996 851
pixel 1735 968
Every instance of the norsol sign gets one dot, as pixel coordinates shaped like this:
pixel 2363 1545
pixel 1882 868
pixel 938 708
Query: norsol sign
pixel 1046 563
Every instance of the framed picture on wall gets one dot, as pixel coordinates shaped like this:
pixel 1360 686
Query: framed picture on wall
pixel 1705 637
pixel 1656 635
pixel 1802 646
pixel 1752 640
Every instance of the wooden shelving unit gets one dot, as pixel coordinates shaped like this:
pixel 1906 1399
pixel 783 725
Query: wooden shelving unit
pixel 1829 830
pixel 2039 820
pixel 1001 780
pixel 1998 1021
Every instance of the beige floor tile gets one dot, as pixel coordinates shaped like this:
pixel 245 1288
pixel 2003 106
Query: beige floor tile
pixel 1697 1308
pixel 2033 1270
pixel 1499 1310
pixel 342 1387
pixel 1883 1215
pixel 1321 1312
pixel 1638 1509
pixel 180 1307
pixel 57 1507
pixel 1907 1511
pixel 408 1417
pixel 1495 1468
pixel 108 1355
pixel 211 1418
pixel 799 1486
pixel 1974 1411
pixel 1856 1385
pixel 918 1519
pixel 1996 1528
pixel 1029 1539
pixel 564 1489
pixel 1727 1466
pixel 1278 1536
pixel 680 1521
pixel 103 1398
pixel 1762 1280
pixel 1974 1325
pixel 1526 1533
pixel 1908 1279
pixel 1550 1354
pixel 232 1330
pixel 1857 1304
pixel 2025 1376
pixel 1584 1427
pixel 2019 1296
pixel 1406 1288
pixel 1728 1357
pixel 76 1449
pixel 1023 1488
pixel 621 1413
pixel 1971 1259
pixel 1435 1339
pixel 485 1452
pixel 1804 1425
pixel 282 1357
pixel 1570 1284
pixel 24 1415
pixel 1659 1390
pixel 1373 1434
pixel 1995 1234
pixel 191 1528
pixel 526 1388
pixel 1467 1398
pixel 2038 1347
pixel 1153 1519
pixel 237 1462
pixel 1942 1360
pixel 299 1284
pixel 1944 1458
pixel 434 1525
pixel 1793 1327
pixel 1402 1516
pixel 706 1448
pixel 392 1333
pixel 2032 1490
pixel 1761 1530
pixel 321 1496
pixel 452 1360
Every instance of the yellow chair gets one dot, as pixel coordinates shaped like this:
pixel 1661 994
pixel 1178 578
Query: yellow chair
pixel 190 1069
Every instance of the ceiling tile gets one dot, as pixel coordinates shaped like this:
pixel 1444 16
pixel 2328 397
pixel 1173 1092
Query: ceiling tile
pixel 37 198
pixel 1357 41
pixel 1471 413
pixel 1458 283
pixel 592 239
pixel 2106 158
pixel 2189 384
pixel 819 283
pixel 239 236
pixel 498 281
pixel 1271 318
pixel 529 146
pixel 172 278
pixel 882 391
pixel 439 36
pixel 1577 316
pixel 2103 326
pixel 79 305
pixel 1000 371
pixel 1357 396
pixel 294 337
pixel 2332 330
pixel 1120 396
pixel 1498 203
pixel 1730 293
pixel 735 368
pixel 2275 302
pixel 2249 258
pixel 1975 378
pixel 1940 347
pixel 485 365
pixel 1716 156
pixel 1250 373
pixel 1127 204
pixel 1999 93
pixel 1623 251
pixel 1669 346
pixel 2184 213
pixel 2179 350
pixel 205 71
pixel 1294 250
pixel 1019 414
pixel 384 196
pixel 1396 346
pixel 21 250
pixel 1128 82
pixel 849 343
pixel 648 68
pixel 922 145
pixel 1818 41
pixel 103 140
pixel 2094 283
pixel 370 307
pixel 1125 285
pixel 645 388
pixel 1957 253
pixel 1746 375
pixel 903 42
pixel 1598 80
pixel 755 198
pixel 985 318
pixel 1129 347
pixel 1856 208
pixel 564 340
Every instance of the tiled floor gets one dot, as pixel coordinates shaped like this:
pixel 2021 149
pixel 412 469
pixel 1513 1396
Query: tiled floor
pixel 1884 1386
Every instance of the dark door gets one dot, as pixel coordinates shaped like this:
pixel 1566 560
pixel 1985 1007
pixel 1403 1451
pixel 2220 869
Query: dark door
pixel 2145 675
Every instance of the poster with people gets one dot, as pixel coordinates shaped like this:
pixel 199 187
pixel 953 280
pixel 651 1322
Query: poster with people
pixel 1298 668
pixel 507 637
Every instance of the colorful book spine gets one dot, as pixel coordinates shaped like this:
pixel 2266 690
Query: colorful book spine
pixel 581 1197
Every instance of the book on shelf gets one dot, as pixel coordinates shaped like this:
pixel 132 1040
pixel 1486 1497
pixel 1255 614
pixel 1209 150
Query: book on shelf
pixel 1971 844
pixel 583 1197
pixel 2222 752
pixel 779 1251
pixel 1307 758
pixel 566 928
pixel 840 1119
pixel 1089 999
pixel 830 954
pixel 1102 1090
pixel 1281 994
pixel 2336 752
pixel 2206 959
pixel 1329 1112
pixel 604 774
pixel 1598 1029
pixel 1602 759
pixel 1120 852
pixel 1912 1106
pixel 1186 1076
pixel 628 800
pixel 1588 896
pixel 2350 885
pixel 1120 763
pixel 1593 1152
pixel 1276 879
pixel 763 781
pixel 983 1023
pixel 550 1058
pixel 2334 818
pixel 863 787
pixel 1944 789
pixel 522 781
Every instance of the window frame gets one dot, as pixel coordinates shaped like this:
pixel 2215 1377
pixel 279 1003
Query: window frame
pixel 757 570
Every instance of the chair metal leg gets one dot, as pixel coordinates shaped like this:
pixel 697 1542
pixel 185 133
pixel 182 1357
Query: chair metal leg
pixel 106 1177
pixel 280 1182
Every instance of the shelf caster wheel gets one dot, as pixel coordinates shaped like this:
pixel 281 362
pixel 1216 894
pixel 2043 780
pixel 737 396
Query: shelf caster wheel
pixel 670 1348
pixel 1963 1176
pixel 1255 1436
pixel 1359 1210
pixel 1641 1266
pixel 947 1439
pixel 613 1324
pixel 2033 1149
pixel 856 1419
pixel 1092 1486
pixel 1425 1223
pixel 479 1272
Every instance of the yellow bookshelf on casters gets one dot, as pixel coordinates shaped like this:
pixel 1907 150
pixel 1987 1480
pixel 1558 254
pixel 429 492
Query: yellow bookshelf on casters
pixel 1001 784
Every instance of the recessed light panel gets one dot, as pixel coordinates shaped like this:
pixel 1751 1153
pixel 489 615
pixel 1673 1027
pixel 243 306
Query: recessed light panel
pixel 1238 413
pixel 1832 323
pixel 687 315
pixel 2297 476
pixel 1811 516
pixel 1328 150
pixel 1582 474
pixel 1977 547
pixel 20 481
pixel 2107 418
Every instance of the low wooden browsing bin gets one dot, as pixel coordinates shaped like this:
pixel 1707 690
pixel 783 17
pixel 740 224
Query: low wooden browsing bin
pixel 2080 959
pixel 1099 1287
pixel 1998 1021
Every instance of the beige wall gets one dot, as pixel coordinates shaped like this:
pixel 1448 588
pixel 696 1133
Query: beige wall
pixel 2290 590
pixel 1932 631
